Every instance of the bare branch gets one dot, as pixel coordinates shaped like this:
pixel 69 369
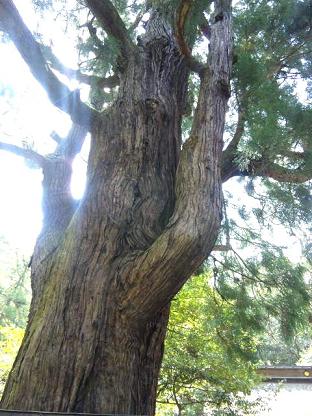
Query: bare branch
pixel 137 21
pixel 108 17
pixel 240 126
pixel 60 95
pixel 222 247
pixel 205 27
pixel 108 82
pixel 228 155
pixel 56 137
pixel 182 14
pixel 68 148
pixel 23 152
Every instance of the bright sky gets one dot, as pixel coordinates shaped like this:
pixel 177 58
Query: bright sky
pixel 34 118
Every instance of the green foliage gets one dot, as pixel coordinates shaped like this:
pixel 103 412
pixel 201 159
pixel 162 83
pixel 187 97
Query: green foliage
pixel 10 340
pixel 221 329
pixel 14 305
pixel 15 297
pixel 208 353
pixel 270 43
pixel 267 286
pixel 273 52
pixel 273 350
pixel 291 203
pixel 99 54
pixel 273 294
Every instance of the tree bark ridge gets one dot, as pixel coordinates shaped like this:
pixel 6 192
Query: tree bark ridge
pixel 192 230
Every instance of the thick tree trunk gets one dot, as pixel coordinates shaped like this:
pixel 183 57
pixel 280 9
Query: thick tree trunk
pixel 150 216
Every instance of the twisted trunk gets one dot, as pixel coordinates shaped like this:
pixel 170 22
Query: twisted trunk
pixel 150 216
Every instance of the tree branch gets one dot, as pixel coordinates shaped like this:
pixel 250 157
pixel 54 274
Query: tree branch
pixel 265 169
pixel 293 53
pixel 137 21
pixel 60 95
pixel 282 174
pixel 228 155
pixel 23 152
pixel 101 82
pixel 205 27
pixel 71 146
pixel 54 136
pixel 222 247
pixel 98 43
pixel 108 17
pixel 182 15
pixel 66 150
pixel 290 154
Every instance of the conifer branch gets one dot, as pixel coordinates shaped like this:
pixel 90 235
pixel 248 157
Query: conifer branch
pixel 28 154
pixel 262 167
pixel 182 14
pixel 283 62
pixel 60 95
pixel 108 82
pixel 109 19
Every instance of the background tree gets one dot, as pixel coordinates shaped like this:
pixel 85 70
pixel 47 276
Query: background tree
pixel 105 270
pixel 219 332
pixel 14 306
pixel 208 354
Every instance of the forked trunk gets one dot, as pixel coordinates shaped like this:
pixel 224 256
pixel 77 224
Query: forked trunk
pixel 149 217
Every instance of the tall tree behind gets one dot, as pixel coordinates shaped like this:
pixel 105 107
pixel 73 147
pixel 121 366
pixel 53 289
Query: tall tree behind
pixel 104 272
pixel 14 306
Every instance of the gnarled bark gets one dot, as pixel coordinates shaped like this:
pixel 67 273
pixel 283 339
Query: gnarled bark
pixel 150 216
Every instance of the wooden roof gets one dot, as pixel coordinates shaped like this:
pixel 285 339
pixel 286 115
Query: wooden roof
pixel 288 374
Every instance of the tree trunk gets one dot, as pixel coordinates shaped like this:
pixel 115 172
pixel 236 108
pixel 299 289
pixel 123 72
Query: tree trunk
pixel 150 216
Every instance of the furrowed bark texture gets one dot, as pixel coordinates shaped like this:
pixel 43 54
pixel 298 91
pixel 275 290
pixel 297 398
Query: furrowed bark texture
pixel 150 216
